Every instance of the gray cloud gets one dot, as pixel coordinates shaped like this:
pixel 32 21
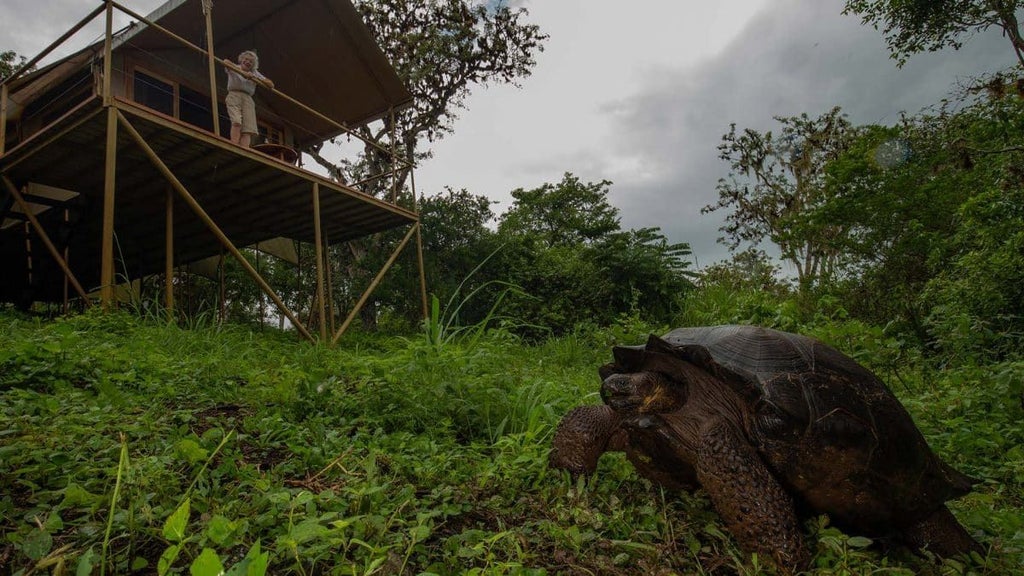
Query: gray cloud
pixel 796 56
pixel 31 25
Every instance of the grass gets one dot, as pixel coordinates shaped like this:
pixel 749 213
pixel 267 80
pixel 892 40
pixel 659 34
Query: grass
pixel 135 447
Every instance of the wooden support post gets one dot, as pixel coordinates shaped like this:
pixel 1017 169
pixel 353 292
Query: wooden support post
pixel 108 55
pixel 330 282
pixel 67 254
pixel 169 256
pixel 222 293
pixel 45 238
pixel 419 244
pixel 208 9
pixel 263 310
pixel 3 117
pixel 211 225
pixel 423 274
pixel 319 262
pixel 109 186
pixel 373 285
pixel 394 157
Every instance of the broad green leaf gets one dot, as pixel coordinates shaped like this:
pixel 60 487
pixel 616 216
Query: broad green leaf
pixel 420 532
pixel 166 560
pixel 86 563
pixel 254 563
pixel 75 495
pixel 307 530
pixel 37 544
pixel 206 564
pixel 174 528
pixel 220 529
pixel 859 542
pixel 190 451
pixel 259 564
pixel 53 523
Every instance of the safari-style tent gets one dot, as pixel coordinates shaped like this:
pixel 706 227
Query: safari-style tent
pixel 116 164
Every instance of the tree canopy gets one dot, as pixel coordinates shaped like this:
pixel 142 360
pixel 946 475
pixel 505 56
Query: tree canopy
pixel 914 26
pixel 776 186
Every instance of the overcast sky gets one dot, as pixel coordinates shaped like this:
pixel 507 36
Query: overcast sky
pixel 641 92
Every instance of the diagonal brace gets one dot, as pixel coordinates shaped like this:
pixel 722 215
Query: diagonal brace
pixel 46 239
pixel 373 284
pixel 224 240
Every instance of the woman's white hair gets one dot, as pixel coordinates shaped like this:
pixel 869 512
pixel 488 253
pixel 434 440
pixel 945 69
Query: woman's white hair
pixel 255 58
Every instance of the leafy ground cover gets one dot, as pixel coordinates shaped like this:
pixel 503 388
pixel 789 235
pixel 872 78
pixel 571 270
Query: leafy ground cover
pixel 133 447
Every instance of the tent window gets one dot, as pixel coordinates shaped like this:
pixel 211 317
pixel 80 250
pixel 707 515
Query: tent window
pixel 154 93
pixel 194 108
pixel 188 105
pixel 270 134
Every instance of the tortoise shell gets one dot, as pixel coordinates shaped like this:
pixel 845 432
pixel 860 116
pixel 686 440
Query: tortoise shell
pixel 831 431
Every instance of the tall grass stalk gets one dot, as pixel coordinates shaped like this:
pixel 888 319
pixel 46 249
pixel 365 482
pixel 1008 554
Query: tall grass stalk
pixel 122 465
pixel 206 464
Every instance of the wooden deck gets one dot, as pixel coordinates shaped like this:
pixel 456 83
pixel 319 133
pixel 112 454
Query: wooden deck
pixel 250 196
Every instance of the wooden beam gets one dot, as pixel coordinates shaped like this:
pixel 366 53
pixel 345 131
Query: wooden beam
pixel 3 117
pixel 67 257
pixel 169 256
pixel 108 53
pixel 211 59
pixel 419 244
pixel 423 274
pixel 319 262
pixel 45 238
pixel 109 188
pixel 373 285
pixel 224 240
pixel 330 285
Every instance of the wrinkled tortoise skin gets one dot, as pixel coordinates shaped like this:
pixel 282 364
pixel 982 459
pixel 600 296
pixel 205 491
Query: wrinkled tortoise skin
pixel 774 427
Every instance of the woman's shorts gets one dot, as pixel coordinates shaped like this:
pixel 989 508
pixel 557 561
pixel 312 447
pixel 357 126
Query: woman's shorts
pixel 242 110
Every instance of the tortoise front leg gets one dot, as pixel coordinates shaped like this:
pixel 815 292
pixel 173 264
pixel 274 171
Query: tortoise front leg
pixel 756 509
pixel 942 535
pixel 582 436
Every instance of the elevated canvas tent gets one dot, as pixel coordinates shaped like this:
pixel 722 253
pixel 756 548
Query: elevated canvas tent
pixel 130 131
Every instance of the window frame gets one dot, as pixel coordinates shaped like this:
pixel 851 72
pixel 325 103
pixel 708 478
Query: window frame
pixel 271 130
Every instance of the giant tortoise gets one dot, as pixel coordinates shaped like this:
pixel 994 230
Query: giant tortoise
pixel 774 427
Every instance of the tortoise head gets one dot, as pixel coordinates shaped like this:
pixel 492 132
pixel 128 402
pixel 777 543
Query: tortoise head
pixel 644 392
pixel 656 378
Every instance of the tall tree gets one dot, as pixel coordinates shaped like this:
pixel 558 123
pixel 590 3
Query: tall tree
pixel 456 240
pixel 777 184
pixel 914 26
pixel 562 244
pixel 9 63
pixel 933 219
pixel 442 49
pixel 567 213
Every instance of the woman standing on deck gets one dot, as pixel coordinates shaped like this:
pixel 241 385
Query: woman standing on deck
pixel 239 102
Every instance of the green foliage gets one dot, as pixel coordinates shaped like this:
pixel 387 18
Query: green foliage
pixel 914 26
pixel 932 213
pixel 569 213
pixel 442 50
pixel 564 248
pixel 10 62
pixel 775 187
pixel 136 447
